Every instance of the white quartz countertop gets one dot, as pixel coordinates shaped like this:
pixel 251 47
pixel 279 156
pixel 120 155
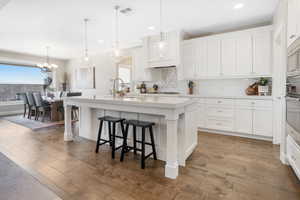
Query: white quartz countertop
pixel 207 97
pixel 143 101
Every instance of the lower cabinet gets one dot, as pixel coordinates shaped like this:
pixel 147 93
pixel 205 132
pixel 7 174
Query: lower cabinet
pixel 252 117
pixel 243 120
pixel 293 155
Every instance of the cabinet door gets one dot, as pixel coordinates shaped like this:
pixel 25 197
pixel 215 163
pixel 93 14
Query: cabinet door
pixel 263 122
pixel 201 116
pixel 243 121
pixel 140 71
pixel 189 59
pixel 213 57
pixel 244 55
pixel 228 56
pixel 262 53
pixel 201 66
pixel 293 9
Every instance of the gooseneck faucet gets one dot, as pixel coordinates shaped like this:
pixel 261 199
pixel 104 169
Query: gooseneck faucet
pixel 114 89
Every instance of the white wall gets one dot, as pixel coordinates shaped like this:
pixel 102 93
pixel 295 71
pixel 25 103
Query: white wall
pixel 27 59
pixel 105 69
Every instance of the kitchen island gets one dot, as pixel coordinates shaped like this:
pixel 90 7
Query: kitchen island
pixel 175 131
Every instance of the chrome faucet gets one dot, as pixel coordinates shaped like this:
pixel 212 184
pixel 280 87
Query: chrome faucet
pixel 114 89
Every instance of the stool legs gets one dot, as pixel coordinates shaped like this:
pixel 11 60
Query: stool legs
pixel 134 139
pixel 99 136
pixel 113 141
pixel 143 149
pixel 124 142
pixel 152 142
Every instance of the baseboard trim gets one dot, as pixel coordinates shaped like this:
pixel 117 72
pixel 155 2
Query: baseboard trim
pixel 270 139
pixel 15 112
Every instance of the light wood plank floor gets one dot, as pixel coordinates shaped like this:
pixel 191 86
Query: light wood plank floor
pixel 222 167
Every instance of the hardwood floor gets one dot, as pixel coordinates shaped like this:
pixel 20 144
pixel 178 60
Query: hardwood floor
pixel 222 167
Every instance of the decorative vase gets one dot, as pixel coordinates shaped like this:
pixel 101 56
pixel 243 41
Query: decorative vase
pixel 263 90
pixel 191 91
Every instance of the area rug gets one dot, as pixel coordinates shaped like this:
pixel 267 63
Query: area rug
pixel 31 123
pixel 17 184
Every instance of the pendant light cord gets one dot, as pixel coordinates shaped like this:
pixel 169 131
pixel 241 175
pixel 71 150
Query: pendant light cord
pixel 117 26
pixel 160 20
pixel 86 51
pixel 47 56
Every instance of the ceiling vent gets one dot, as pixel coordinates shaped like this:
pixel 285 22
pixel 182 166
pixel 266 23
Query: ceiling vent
pixel 126 11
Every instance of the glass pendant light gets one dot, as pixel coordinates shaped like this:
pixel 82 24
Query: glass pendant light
pixel 117 51
pixel 47 66
pixel 86 50
pixel 162 44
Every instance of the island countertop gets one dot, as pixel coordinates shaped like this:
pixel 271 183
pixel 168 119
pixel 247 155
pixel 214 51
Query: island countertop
pixel 144 101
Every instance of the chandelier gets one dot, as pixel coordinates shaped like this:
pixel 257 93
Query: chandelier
pixel 47 66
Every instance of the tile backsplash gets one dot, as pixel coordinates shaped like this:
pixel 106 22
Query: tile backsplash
pixel 168 82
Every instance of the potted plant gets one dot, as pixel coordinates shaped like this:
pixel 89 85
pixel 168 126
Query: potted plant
pixel 263 87
pixel 191 85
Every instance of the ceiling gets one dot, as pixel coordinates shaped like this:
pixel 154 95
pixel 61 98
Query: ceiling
pixel 30 25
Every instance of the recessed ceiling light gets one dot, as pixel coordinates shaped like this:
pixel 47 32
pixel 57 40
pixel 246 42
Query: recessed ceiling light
pixel 100 41
pixel 151 28
pixel 238 6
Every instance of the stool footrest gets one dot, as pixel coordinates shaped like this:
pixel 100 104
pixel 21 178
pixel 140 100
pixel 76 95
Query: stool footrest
pixel 147 143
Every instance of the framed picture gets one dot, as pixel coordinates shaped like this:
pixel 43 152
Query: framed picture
pixel 85 78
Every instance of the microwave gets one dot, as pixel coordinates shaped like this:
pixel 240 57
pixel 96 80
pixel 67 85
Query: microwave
pixel 293 60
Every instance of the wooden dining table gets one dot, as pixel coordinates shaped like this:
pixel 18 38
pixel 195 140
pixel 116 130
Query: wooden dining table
pixel 56 111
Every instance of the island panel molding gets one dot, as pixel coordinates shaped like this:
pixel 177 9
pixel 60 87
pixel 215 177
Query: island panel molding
pixel 175 128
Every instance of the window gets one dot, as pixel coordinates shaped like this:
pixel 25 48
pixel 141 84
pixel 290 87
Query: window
pixel 124 73
pixel 11 74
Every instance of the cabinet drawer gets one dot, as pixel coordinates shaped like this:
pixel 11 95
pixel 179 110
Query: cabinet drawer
pixel 218 124
pixel 219 112
pixel 293 152
pixel 254 103
pixel 221 102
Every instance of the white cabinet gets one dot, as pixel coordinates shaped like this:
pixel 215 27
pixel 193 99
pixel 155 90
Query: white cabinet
pixel 139 70
pixel 244 55
pixel 243 120
pixel 293 155
pixel 189 59
pixel 251 117
pixel 213 57
pixel 262 53
pixel 239 54
pixel 228 56
pixel 293 21
pixel 263 122
pixel 169 56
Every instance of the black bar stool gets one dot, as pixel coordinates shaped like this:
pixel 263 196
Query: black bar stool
pixel 126 149
pixel 112 122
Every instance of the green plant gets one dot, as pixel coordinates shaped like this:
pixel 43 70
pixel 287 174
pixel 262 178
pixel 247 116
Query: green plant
pixel 263 81
pixel 191 84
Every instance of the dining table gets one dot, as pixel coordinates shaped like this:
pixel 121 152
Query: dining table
pixel 56 105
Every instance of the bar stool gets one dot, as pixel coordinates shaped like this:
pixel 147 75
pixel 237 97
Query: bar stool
pixel 112 122
pixel 126 149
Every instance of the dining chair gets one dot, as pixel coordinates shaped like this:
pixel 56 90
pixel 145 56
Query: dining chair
pixel 31 105
pixel 23 97
pixel 42 107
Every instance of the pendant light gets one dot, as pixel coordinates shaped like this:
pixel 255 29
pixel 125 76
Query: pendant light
pixel 86 50
pixel 117 51
pixel 47 66
pixel 162 43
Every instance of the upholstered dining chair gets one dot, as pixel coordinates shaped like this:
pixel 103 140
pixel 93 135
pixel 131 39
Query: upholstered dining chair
pixel 42 107
pixel 31 105
pixel 23 97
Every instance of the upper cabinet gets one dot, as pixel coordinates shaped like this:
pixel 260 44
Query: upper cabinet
pixel 239 54
pixel 140 72
pixel 169 56
pixel 293 21
pixel 262 53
